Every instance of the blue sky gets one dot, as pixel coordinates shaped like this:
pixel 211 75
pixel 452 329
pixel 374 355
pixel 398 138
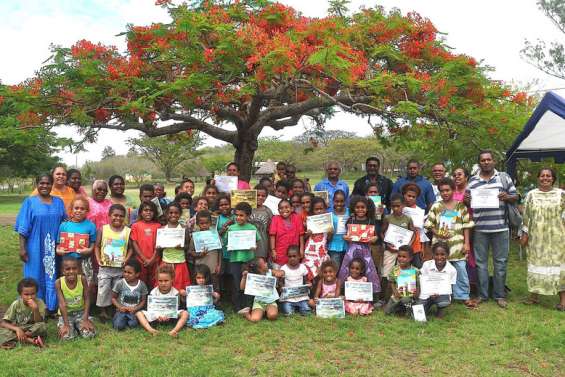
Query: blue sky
pixel 489 30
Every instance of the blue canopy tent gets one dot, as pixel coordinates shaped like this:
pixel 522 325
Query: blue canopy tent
pixel 543 135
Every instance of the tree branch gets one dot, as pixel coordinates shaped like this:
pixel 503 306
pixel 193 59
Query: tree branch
pixel 280 124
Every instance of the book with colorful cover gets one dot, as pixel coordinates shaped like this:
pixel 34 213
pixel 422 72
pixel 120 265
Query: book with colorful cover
pixel 360 232
pixel 72 242
pixel 406 282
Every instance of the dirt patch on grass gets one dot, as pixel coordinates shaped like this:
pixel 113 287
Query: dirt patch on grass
pixel 7 219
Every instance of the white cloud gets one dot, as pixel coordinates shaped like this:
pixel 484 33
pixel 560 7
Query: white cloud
pixel 485 29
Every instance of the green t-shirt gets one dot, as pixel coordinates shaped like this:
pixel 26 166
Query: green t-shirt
pixel 242 255
pixel 20 314
pixel 401 221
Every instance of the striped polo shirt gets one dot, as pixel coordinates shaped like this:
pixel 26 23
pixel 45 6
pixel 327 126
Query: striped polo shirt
pixel 490 220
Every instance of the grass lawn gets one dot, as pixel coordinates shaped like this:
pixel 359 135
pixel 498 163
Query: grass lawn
pixel 10 204
pixel 521 340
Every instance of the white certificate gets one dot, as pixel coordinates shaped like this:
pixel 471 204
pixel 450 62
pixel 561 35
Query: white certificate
pixel 300 291
pixel 242 239
pixel 272 203
pixel 435 283
pixel 163 306
pixel 398 236
pixel 206 239
pixel 358 290
pixel 226 183
pixel 199 295
pixel 485 198
pixel 341 220
pixel 330 308
pixel 416 214
pixel 260 285
pixel 155 201
pixel 320 223
pixel 419 313
pixel 170 237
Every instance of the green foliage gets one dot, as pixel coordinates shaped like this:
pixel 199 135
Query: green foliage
pixel 137 169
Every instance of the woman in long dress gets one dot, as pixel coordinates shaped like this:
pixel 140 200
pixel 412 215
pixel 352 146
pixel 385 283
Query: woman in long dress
pixel 543 235
pixel 37 225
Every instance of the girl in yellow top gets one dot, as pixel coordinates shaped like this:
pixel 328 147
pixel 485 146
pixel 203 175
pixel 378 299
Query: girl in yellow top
pixel 176 256
pixel 74 302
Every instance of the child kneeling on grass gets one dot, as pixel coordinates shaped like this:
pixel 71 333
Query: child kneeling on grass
pixel 438 265
pixel 262 305
pixel 204 316
pixel 128 296
pixel 24 320
pixel 74 302
pixel 165 277
pixel 403 281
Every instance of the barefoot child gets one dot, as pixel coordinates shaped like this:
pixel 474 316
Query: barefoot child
pixel 165 276
pixel 329 286
pixel 143 236
pixel 128 296
pixel 286 230
pixel 24 320
pixel 261 218
pixel 403 282
pixel 295 274
pixel 337 245
pixel 203 317
pixel 262 305
pixel 112 251
pixel 315 248
pixel 210 258
pixel 74 302
pixel 357 274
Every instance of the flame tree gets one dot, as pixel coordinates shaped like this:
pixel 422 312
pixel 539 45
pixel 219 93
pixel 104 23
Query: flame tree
pixel 258 64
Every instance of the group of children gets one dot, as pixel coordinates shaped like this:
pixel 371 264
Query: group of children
pixel 118 265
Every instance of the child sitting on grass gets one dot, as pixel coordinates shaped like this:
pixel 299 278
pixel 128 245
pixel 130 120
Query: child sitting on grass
pixel 329 286
pixel 128 296
pixel 262 305
pixel 74 302
pixel 438 265
pixel 204 316
pixel 403 282
pixel 295 274
pixel 165 277
pixel 357 270
pixel 24 320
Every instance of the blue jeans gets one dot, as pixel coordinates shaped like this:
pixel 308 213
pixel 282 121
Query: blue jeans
pixel 461 288
pixel 337 257
pixel 287 308
pixel 499 243
pixel 123 320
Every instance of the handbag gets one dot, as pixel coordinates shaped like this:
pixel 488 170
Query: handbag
pixel 513 215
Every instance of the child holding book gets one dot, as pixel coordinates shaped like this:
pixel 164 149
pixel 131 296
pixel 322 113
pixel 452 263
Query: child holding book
pixel 206 316
pixel 143 236
pixel 396 217
pixel 262 306
pixel 77 236
pixel 177 256
pixel 24 320
pixel 261 218
pixel 329 286
pixel 357 269
pixel 148 320
pixel 112 251
pixel 239 258
pixel 450 221
pixel 403 282
pixel 295 274
pixel 74 302
pixel 129 295
pixel 438 265
pixel 337 246
pixel 286 230
pixel 363 214
pixel 315 249
pixel 210 258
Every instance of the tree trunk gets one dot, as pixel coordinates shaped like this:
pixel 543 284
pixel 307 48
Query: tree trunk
pixel 244 154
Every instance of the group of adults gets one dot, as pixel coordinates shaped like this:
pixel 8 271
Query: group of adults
pixel 543 229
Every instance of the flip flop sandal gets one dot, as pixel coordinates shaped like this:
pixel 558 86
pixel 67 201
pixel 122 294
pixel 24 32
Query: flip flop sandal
pixel 530 301
pixel 38 342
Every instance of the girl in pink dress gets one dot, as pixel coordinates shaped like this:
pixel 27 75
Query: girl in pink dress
pixel 357 273
pixel 328 286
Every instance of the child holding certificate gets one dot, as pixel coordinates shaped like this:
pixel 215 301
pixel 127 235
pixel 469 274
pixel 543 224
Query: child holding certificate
pixel 148 319
pixel 436 278
pixel 396 218
pixel 262 306
pixel 112 251
pixel 357 269
pixel 449 221
pixel 337 246
pixel 143 237
pixel 225 219
pixel 403 281
pixel 200 204
pixel 204 316
pixel 176 256
pixel 261 218
pixel 286 230
pixel 239 257
pixel 364 214
pixel 410 192
pixel 210 258
pixel 315 251
pixel 328 286
pixel 295 275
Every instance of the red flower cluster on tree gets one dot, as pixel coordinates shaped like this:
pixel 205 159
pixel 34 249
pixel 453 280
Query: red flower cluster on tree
pixel 86 49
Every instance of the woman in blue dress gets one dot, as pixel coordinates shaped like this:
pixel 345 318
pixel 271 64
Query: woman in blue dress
pixel 37 225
